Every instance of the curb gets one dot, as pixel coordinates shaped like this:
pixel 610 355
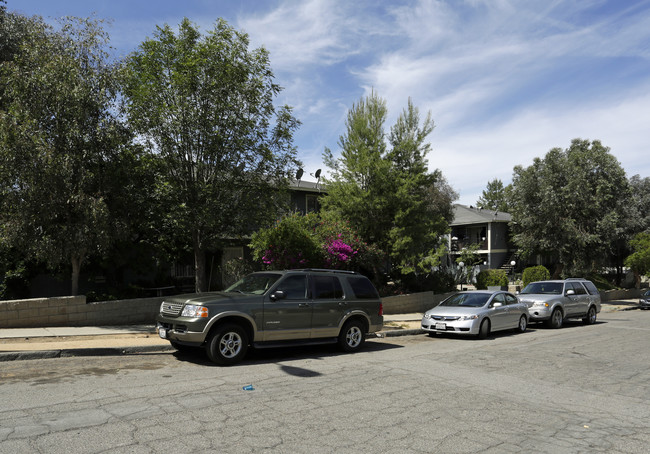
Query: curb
pixel 73 352
pixel 119 351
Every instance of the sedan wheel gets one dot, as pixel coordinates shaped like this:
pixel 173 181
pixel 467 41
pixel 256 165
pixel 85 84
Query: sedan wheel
pixel 590 319
pixel 484 329
pixel 523 324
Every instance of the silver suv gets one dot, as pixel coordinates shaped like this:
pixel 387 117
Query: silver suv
pixel 555 301
pixel 274 308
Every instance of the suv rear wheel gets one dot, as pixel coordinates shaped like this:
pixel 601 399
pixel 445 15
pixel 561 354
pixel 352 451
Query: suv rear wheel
pixel 590 318
pixel 227 345
pixel 352 336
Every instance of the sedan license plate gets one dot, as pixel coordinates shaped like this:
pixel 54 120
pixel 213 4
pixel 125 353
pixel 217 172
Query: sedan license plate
pixel 442 326
pixel 162 332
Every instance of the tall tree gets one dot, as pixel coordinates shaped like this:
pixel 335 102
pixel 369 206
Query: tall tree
pixel 204 103
pixel 360 188
pixel 387 194
pixel 495 197
pixel 570 205
pixel 58 136
pixel 418 220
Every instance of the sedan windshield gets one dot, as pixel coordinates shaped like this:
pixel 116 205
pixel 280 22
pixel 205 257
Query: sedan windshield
pixel 543 288
pixel 467 300
pixel 254 284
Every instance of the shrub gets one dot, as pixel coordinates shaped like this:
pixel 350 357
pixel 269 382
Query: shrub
pixel 489 278
pixel 307 241
pixel 535 273
pixel 290 243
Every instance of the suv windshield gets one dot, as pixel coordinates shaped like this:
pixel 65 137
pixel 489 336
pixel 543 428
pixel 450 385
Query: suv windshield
pixel 467 299
pixel 255 284
pixel 543 288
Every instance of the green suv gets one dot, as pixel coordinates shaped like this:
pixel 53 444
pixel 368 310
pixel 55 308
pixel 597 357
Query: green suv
pixel 274 308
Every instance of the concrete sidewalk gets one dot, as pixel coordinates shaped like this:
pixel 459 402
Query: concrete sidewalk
pixel 55 342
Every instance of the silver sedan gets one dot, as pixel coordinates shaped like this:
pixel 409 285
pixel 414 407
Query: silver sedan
pixel 477 313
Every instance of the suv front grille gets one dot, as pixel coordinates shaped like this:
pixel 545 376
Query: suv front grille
pixel 171 308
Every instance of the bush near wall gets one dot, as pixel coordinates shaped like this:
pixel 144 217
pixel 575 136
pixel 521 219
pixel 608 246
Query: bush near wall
pixel 491 278
pixel 535 273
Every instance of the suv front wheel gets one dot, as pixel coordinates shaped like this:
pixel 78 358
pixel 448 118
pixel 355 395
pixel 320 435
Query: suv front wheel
pixel 352 336
pixel 556 319
pixel 227 345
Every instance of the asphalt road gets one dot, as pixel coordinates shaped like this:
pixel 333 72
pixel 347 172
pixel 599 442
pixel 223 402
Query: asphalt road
pixel 577 389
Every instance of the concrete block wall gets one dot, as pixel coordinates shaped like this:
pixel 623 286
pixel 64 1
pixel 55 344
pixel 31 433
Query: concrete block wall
pixel 74 311
pixel 412 303
pixel 624 294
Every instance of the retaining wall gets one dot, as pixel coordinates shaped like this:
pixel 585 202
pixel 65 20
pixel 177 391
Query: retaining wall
pixel 413 302
pixel 74 311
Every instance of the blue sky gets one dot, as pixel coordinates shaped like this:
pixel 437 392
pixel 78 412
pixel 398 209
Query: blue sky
pixel 505 80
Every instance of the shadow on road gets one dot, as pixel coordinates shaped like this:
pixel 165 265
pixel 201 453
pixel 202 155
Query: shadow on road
pixel 274 355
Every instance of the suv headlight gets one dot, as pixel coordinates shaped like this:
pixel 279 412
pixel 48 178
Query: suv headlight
pixel 190 310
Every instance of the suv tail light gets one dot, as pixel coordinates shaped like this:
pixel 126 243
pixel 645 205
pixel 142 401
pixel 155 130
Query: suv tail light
pixel 381 309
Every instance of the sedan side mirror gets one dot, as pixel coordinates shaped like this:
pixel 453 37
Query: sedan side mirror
pixel 497 305
pixel 277 295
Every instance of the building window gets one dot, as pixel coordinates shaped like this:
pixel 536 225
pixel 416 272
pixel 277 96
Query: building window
pixel 312 203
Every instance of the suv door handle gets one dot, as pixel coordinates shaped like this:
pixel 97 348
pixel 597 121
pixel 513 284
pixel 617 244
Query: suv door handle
pixel 303 304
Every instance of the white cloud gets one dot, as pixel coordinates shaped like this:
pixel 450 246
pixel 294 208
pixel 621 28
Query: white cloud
pixel 470 160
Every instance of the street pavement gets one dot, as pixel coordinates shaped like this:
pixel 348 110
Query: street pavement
pixel 55 342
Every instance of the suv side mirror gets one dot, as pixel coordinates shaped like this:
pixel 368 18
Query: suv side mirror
pixel 277 295
pixel 570 292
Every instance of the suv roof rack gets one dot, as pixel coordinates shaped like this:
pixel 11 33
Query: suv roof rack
pixel 575 279
pixel 325 270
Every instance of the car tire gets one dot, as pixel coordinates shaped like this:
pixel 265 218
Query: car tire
pixel 352 336
pixel 523 324
pixel 484 329
pixel 590 318
pixel 227 345
pixel 556 319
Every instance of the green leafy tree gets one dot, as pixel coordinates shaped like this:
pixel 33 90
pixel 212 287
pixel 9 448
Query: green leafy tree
pixel 360 189
pixel 204 104
pixel 636 212
pixel 569 205
pixel 387 194
pixel 639 260
pixel 495 197
pixel 58 139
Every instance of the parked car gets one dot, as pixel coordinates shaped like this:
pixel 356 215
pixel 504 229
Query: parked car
pixel 557 300
pixel 274 308
pixel 644 301
pixel 477 313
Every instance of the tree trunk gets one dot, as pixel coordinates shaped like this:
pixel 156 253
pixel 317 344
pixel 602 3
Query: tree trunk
pixel 76 269
pixel 557 274
pixel 199 264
